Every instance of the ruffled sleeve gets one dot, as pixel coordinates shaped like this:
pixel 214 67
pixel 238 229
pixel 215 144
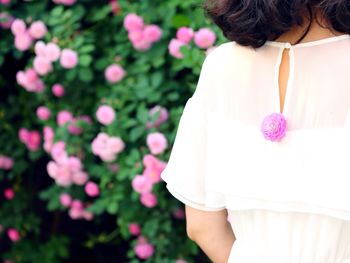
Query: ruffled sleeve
pixel 185 171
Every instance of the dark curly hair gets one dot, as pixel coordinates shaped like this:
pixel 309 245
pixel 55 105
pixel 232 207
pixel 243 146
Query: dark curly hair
pixel 253 22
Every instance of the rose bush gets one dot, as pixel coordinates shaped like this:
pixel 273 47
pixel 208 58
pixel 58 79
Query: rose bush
pixel 91 94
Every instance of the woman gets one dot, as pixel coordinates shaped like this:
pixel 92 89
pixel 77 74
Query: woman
pixel 261 155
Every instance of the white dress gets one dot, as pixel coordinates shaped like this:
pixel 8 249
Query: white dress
pixel 288 201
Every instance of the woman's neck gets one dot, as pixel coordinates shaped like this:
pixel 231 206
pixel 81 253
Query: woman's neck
pixel 315 32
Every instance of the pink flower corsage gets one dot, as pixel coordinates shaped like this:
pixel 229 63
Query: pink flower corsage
pixel 274 127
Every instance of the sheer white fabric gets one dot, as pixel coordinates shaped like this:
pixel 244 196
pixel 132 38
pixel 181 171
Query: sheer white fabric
pixel 220 159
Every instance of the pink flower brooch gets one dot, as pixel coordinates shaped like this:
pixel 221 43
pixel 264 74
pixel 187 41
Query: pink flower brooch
pixel 274 127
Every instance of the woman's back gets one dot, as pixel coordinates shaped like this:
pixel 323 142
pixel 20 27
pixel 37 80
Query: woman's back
pixel 288 201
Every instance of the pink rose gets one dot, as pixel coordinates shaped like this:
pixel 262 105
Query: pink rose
pixel 42 65
pixel 63 117
pixel 18 27
pixel 179 213
pixel 204 38
pixel 69 58
pixel 162 117
pixel 152 33
pixel 33 141
pixel 43 113
pixel 80 177
pixel 133 22
pixel 114 73
pixel 58 90
pixel 52 52
pixel 274 127
pixel 185 34
pixel 5 2
pixel 143 249
pixel 87 215
pixel 40 48
pixel 65 200
pixel 134 229
pixel 105 114
pixel 23 41
pixel 141 184
pixel 37 29
pixel 6 162
pixel 92 189
pixel 13 234
pixel 156 142
pixel 9 193
pixel 148 199
pixel 174 48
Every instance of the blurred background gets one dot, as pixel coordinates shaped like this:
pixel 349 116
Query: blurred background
pixel 91 93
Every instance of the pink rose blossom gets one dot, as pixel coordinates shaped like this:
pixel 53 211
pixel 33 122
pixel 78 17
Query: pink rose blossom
pixel 185 34
pixel 152 33
pixel 43 113
pixel 58 152
pixel 114 73
pixel 133 22
pixel 65 2
pixel 69 58
pixel 63 117
pixel 23 41
pixel 107 147
pixel 5 2
pixel 6 163
pixel 65 200
pixel 156 142
pixel 37 29
pixel 76 213
pixel 13 234
pixel 274 127
pixel 148 199
pixel 92 189
pixel 180 261
pixel 152 174
pixel 58 90
pixel 142 45
pixel 9 193
pixel 136 35
pixel 31 139
pixel 18 27
pixel 87 215
pixel 134 229
pixel 77 204
pixel 179 213
pixel 40 48
pixel 204 38
pixel 143 249
pixel 141 184
pixel 6 20
pixel 174 48
pixel 52 52
pixel 80 177
pixel 42 65
pixel 162 117
pixel 29 80
pixel 105 114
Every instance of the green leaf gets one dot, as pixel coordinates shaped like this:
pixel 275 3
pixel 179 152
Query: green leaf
pixel 112 208
pixel 180 20
pixel 85 74
pixel 85 60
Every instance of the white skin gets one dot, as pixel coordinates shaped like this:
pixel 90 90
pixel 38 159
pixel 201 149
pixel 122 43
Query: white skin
pixel 211 230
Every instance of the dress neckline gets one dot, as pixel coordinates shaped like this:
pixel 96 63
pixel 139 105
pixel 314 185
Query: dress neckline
pixel 307 44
